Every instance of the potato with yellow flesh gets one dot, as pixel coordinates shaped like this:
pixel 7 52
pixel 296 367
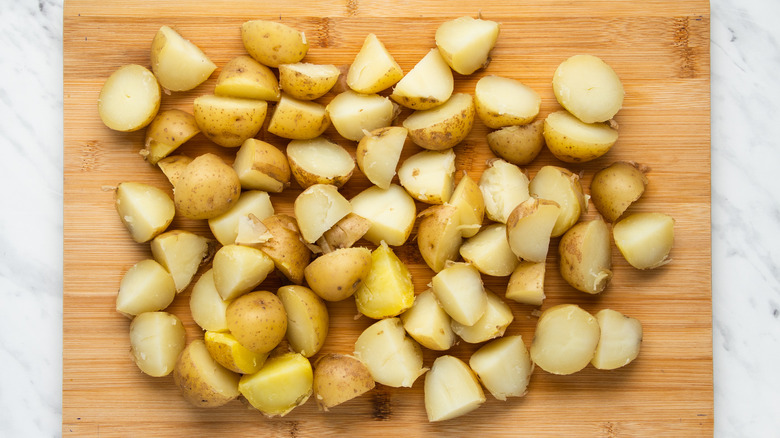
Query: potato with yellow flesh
pixel 298 119
pixel 451 389
pixel 307 319
pixel 387 290
pixel 228 352
pixel 574 141
pixel 307 81
pixel 565 339
pixel 129 99
pixel 503 102
pixel 178 64
pixel 145 287
pixel 645 239
pixel 208 309
pixel 286 247
pixel 273 43
pixel 393 358
pixel 489 251
pixel 444 126
pixel 427 323
pixel 208 188
pixel 339 378
pixel 169 130
pixel 145 210
pixel 492 324
pixel 244 77
pixel 504 186
pixel 391 213
pixel 429 176
pixel 621 337
pixel 319 161
pixel 617 186
pixel 344 233
pixel 352 113
pixel 503 366
pixel 282 384
pixel 529 228
pixel 339 274
pixel 261 166
pixel 526 284
pixel 238 269
pixel 562 186
pixel 378 153
pixel 156 339
pixel 181 253
pixel 586 257
pixel 225 226
pixel 374 68
pixel 173 167
pixel 460 292
pixel 588 88
pixel 229 121
pixel 518 144
pixel 318 208
pixel 257 320
pixel 439 236
pixel 465 43
pixel 428 84
pixel 204 382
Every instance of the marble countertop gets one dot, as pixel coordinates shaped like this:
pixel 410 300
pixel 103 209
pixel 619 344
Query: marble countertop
pixel 745 57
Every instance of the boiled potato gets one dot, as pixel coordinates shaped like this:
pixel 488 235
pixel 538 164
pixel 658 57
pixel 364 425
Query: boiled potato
pixel 467 198
pixel 238 269
pixel 307 319
pixel 445 125
pixel 319 161
pixel 252 231
pixel 588 88
pixel 282 384
pixel 429 176
pixel 208 309
pixel 503 366
pixel 503 102
pixel 229 121
pixel 460 292
pixel 574 141
pixel 173 167
pixel 614 188
pixel 489 251
pixel 208 188
pixel 228 352
pixel 145 287
pixel 337 275
pixel 352 113
pixel 378 153
pixel 586 256
pixel 244 77
pixel 391 213
pixel 529 228
pixel 428 84
pixel 273 43
pixel 465 43
pixel 388 289
pixel 427 323
pixel 518 144
pixel 285 246
pixel 492 324
pixel 298 119
pixel 254 202
pixel 392 358
pixel 344 233
pixel 169 130
pixel 257 320
pixel 504 186
pixel 451 389
pixel 156 339
pixel 129 99
pixel 318 208
pixel 526 284
pixel 373 68
pixel 306 81
pixel 438 235
pixel 181 253
pixel 565 339
pixel 261 166
pixel 145 210
pixel 339 378
pixel 562 186
pixel 204 382
pixel 645 239
pixel 178 64
pixel 621 337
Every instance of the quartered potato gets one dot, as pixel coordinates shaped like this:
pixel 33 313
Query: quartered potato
pixel 427 85
pixel 208 187
pixel 614 188
pixel 254 202
pixel 459 289
pixel 393 358
pixel 503 102
pixel 169 130
pixel 378 153
pixel 562 186
pixel 374 68
pixel 145 287
pixel 229 121
pixel 173 166
pixel 273 43
pixel 444 126
pixel 228 352
pixel 344 233
pixel 129 99
pixel 244 77
pixel 565 339
pixel 451 389
pixel 588 88
pixel 307 81
pixel 298 119
pixel 439 236
pixel 586 256
pixel 204 382
pixel 465 43
pixel 504 186
pixel 339 274
pixel 156 339
pixel 208 309
pixel 530 226
pixel 261 166
pixel 503 366
pixel 180 253
pixel 318 208
pixel 238 269
pixel 178 63
pixel 489 251
pixel 574 141
pixel 526 285
pixel 645 239
pixel 391 213
pixel 518 144
pixel 339 378
pixel 387 289
pixel 429 176
pixel 285 246
pixel 145 210
pixel 307 319
pixel 621 337
pixel 427 323
pixel 492 324
pixel 353 114
pixel 467 199
pixel 319 161
pixel 282 384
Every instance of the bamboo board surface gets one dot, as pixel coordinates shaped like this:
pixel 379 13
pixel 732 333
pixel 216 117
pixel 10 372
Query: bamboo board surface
pixel 660 49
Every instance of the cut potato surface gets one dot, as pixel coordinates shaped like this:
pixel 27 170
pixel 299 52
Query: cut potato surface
pixel 353 114
pixel 374 68
pixel 429 176
pixel 298 119
pixel 238 269
pixel 339 378
pixel 529 228
pixel 178 64
pixel 503 102
pixel 388 289
pixel 229 121
pixel 465 43
pixel 451 389
pixel 428 84
pixel 526 285
pixel 307 319
pixel 378 153
pixel 492 324
pixel 207 307
pixel 562 186
pixel 438 235
pixel 444 126
pixel 489 251
pixel 588 88
pixel 459 289
pixel 318 208
pixel 244 77
pixel 145 210
pixel 503 366
pixel 307 81
pixel 586 256
pixel 282 384
pixel 319 161
pixel 565 339
pixel 129 99
pixel 204 382
pixel 391 213
pixel 254 202
pixel 574 141
pixel 427 323
pixel 467 199
pixel 621 337
pixel 169 130
pixel 393 358
pixel 156 339
pixel 504 186
pixel 229 353
pixel 181 253
pixel 261 166
pixel 645 239
pixel 145 287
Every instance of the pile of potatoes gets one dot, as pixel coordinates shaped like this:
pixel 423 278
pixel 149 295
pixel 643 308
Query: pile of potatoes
pixel 260 344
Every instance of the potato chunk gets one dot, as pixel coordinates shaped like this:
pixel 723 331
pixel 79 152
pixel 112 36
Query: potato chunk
pixel 444 126
pixel 392 358
pixel 388 289
pixel 489 251
pixel 621 337
pixel 145 210
pixel 503 102
pixel 562 186
pixel 529 228
pixel 282 384
pixel 459 289
pixel 586 256
pixel 467 198
pixel 145 287
pixel 574 141
pixel 273 43
pixel 257 320
pixel 254 202
pixel 504 186
pixel 344 233
pixel 339 274
pixel 503 366
pixel 204 382
pixel 261 166
pixel 229 121
pixel 318 208
pixel 286 247
pixel 352 114
pixel 208 188
pixel 169 130
pixel 244 77
pixel 429 176
pixel 207 307
pixel 156 339
pixel 518 144
pixel 178 64
pixel 306 81
pixel 181 253
pixel 427 323
pixel 391 213
pixel 526 285
pixel 588 88
pixel 229 353
pixel 378 153
pixel 617 186
pixel 307 319
pixel 339 378
pixel 451 389
pixel 238 269
pixel 645 239
pixel 465 43
pixel 374 68
pixel 319 161
pixel 428 84
pixel 173 166
pixel 492 324
pixel 439 236
pixel 565 339
pixel 129 99
pixel 298 119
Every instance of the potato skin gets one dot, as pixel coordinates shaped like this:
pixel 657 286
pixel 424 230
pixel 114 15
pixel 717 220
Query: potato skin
pixel 208 187
pixel 339 378
pixel 257 320
pixel 585 256
pixel 273 43
pixel 286 248
pixel 614 188
pixel 307 319
pixel 190 378
pixel 338 274
pixel 519 144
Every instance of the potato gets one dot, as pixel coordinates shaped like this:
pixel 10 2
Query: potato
pixel 574 141
pixel 503 366
pixel 344 233
pixel 352 114
pixel 445 125
pixel 451 389
pixel 373 68
pixel 588 88
pixel 467 198
pixel 526 285
pixel 319 161
pixel 518 144
pixel 208 309
pixel 173 167
pixel 391 213
pixel 225 226
pixel 181 253
pixel 392 358
pixel 378 153
pixel 428 84
pixel 614 188
pixel 273 43
pixel 388 289
pixel 229 121
pixel 492 324
pixel 261 166
pixel 438 235
pixel 465 43
pixel 298 119
pixel 307 319
pixel 337 275
pixel 306 81
pixel 489 251
pixel 129 99
pixel 504 186
pixel 228 352
pixel 562 186
pixel 586 257
pixel 318 208
pixel 156 339
pixel 459 290
pixel 427 323
pixel 621 337
pixel 503 102
pixel 339 378
pixel 204 382
pixel 645 239
pixel 286 247
pixel 529 228
pixel 282 384
pixel 169 130
pixel 145 287
pixel 257 320
pixel 565 339
pixel 429 176
pixel 238 269
pixel 244 77
pixel 145 210
pixel 208 188
pixel 178 64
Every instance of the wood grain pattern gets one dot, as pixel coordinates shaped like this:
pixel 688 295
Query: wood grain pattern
pixel 660 49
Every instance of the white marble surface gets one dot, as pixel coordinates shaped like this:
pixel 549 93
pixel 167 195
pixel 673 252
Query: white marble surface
pixel 745 53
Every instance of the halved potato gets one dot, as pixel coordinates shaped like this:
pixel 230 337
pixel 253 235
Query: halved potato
pixel 438 235
pixel 562 186
pixel 228 352
pixel 178 63
pixel 339 378
pixel 391 213
pixel 460 291
pixel 145 210
pixel 145 287
pixel 181 253
pixel 445 125
pixel 374 68
pixel 339 274
pixel 207 188
pixel 614 188
pixel 238 269
pixel 129 99
pixel 307 319
pixel 378 153
pixel 586 256
pixel 352 113
pixel 503 102
pixel 465 43
pixel 387 289
pixel 173 166
pixel 504 186
pixel 467 198
pixel 451 389
pixel 273 43
pixel 588 88
pixel 492 324
pixel 318 208
pixel 489 251
pixel 529 228
pixel 229 121
pixel 503 366
pixel 429 176
pixel 156 340
pixel 428 323
pixel 574 141
pixel 307 81
pixel 298 119
pixel 261 166
pixel 565 339
pixel 244 77
pixel 526 285
pixel 169 130
pixel 207 307
pixel 428 84
pixel 204 382
pixel 518 144
pixel 621 337
pixel 645 239
pixel 282 384
pixel 393 358
pixel 225 226
pixel 319 161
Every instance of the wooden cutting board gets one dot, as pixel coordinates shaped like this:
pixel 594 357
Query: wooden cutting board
pixel 660 49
